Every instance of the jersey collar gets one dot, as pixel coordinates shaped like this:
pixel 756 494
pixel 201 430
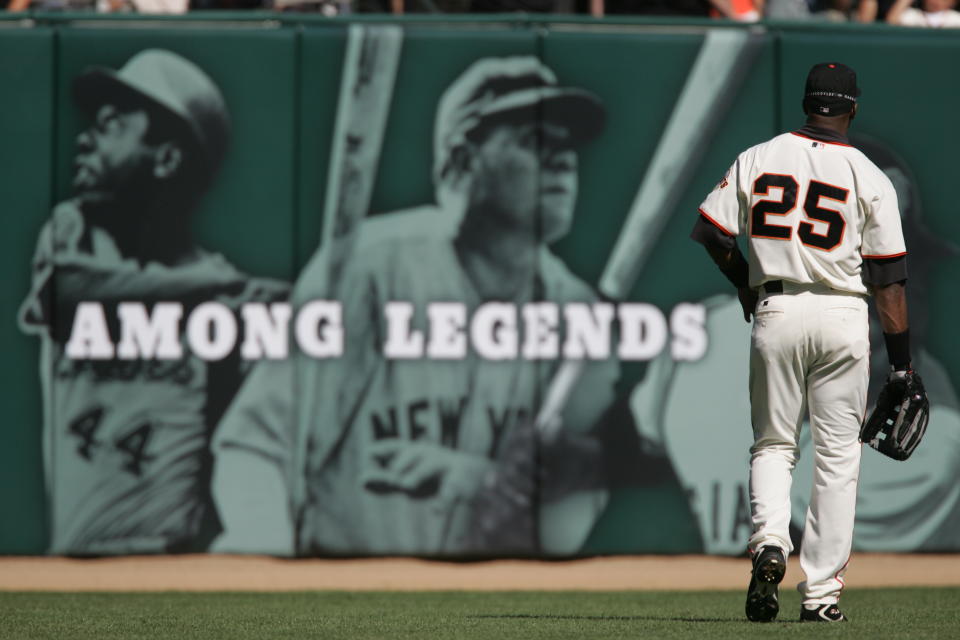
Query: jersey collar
pixel 822 135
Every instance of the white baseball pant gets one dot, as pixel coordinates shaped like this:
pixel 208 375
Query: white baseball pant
pixel 810 349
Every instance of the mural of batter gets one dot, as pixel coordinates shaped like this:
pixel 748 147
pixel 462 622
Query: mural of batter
pixel 403 432
pixel 126 432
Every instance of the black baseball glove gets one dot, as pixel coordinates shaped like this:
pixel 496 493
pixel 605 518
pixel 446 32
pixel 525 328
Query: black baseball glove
pixel 898 422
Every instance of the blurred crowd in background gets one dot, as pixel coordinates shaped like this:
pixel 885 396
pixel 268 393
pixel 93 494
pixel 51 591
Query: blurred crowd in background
pixel 910 13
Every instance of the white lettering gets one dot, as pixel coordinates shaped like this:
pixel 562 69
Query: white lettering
pixel 493 331
pixel 402 341
pixel 319 329
pixel 89 338
pixel 448 338
pixel 540 339
pixel 688 326
pixel 587 330
pixel 643 331
pixel 156 335
pixel 265 330
pixel 212 331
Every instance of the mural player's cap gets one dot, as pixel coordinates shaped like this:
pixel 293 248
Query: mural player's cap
pixel 831 89
pixel 508 87
pixel 163 79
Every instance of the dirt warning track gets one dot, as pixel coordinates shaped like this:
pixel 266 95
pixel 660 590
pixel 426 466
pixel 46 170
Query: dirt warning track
pixel 257 573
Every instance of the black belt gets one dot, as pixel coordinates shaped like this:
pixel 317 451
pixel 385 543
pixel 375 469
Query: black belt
pixel 773 286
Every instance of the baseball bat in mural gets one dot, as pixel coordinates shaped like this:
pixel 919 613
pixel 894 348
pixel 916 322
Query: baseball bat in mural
pixel 714 80
pixel 366 87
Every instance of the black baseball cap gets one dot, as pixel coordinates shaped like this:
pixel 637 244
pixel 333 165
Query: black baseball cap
pixel 831 89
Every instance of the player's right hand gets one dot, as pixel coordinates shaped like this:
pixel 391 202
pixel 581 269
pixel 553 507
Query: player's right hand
pixel 67 226
pixel 423 470
pixel 748 301
pixel 74 224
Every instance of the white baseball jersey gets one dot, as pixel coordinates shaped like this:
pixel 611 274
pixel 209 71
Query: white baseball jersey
pixel 125 441
pixel 350 403
pixel 811 210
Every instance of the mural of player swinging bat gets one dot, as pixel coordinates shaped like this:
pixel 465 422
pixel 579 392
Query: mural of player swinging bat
pixel 715 79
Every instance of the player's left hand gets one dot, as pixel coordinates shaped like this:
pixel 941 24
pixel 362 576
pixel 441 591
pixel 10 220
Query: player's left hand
pixel 424 470
pixel 748 301
pixel 899 421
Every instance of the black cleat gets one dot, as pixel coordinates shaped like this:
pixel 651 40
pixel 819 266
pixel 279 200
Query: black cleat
pixel 821 613
pixel 763 602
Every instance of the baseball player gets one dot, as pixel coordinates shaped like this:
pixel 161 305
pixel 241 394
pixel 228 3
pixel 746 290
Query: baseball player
pixel 398 447
pixel 823 228
pixel 916 506
pixel 126 440
pixel 900 507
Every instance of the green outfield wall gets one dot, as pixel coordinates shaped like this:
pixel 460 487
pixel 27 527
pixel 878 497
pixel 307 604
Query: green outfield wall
pixel 299 286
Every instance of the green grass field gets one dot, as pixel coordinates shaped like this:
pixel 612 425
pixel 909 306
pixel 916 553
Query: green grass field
pixel 875 613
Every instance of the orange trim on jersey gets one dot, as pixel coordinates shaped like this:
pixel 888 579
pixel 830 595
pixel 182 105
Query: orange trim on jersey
pixel 715 223
pixel 843 230
pixel 839 144
pixel 892 255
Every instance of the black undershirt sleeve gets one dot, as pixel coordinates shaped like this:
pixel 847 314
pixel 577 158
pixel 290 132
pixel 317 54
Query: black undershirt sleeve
pixel 877 272
pixel 880 272
pixel 710 235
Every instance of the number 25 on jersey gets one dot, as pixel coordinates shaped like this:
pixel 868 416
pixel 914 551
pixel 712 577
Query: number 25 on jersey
pixel 761 225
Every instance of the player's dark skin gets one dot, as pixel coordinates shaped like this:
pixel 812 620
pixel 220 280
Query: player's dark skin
pixel 891 299
pixel 129 183
pixel 129 159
